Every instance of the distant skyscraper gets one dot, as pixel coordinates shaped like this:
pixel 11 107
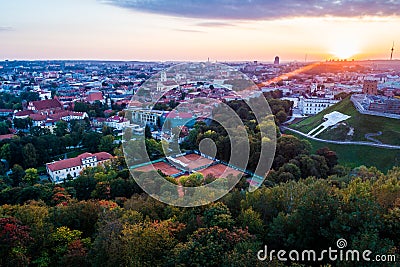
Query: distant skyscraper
pixel 276 60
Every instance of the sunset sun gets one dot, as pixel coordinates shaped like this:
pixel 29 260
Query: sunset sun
pixel 344 50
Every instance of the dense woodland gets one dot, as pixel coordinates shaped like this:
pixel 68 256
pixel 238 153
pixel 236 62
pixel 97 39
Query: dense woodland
pixel 103 218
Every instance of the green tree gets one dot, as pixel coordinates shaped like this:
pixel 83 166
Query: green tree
pixel 281 117
pixel 17 174
pixel 208 247
pixel 81 107
pixel 5 152
pixel 219 215
pixel 31 176
pixel 61 241
pixel 147 132
pixel 251 220
pixel 148 243
pixel 192 180
pixel 22 123
pixel 29 156
pixel 107 143
pixel 91 141
pixel 289 147
pixel 61 128
pixel 4 128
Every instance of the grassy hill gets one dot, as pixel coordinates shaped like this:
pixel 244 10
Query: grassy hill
pixel 355 156
pixel 362 125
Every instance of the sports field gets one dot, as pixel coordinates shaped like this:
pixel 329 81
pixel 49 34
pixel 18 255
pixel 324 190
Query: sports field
pixel 162 166
pixel 220 171
pixel 194 161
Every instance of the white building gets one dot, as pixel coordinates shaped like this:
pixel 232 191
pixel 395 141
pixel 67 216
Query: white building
pixel 144 117
pixel 59 170
pixel 313 105
pixel 117 122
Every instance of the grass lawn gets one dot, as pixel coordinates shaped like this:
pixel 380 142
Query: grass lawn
pixel 355 156
pixel 362 124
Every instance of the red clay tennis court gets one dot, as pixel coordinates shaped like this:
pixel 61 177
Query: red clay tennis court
pixel 194 161
pixel 162 166
pixel 219 171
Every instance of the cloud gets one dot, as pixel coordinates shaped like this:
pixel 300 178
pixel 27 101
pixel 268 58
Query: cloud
pixel 262 9
pixel 191 31
pixel 5 29
pixel 214 24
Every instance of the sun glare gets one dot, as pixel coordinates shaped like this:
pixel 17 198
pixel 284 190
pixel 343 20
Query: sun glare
pixel 344 51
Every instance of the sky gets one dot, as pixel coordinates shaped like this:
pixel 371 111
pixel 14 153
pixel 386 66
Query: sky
pixel 185 30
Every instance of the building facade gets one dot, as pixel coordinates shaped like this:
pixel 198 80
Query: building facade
pixel 370 87
pixel 145 117
pixel 59 170
pixel 313 106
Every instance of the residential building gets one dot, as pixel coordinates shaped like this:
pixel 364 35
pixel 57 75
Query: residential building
pixel 47 106
pixel 95 96
pixel 59 170
pixel 119 123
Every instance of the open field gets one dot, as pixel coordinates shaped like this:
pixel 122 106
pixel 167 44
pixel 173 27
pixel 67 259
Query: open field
pixel 362 124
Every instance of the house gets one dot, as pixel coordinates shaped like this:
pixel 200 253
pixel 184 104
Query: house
pixel 23 114
pixel 49 121
pixel 45 106
pixel 98 122
pixel 37 119
pixel 59 170
pixel 95 96
pixel 117 122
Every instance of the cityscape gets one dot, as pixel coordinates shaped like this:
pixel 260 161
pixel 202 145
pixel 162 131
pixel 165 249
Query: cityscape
pixel 199 134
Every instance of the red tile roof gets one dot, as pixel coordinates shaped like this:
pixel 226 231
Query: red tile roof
pixel 98 96
pixel 75 162
pixel 101 156
pixel 6 136
pixel 37 117
pixel 6 110
pixel 135 103
pixel 24 113
pixel 116 119
pixel 47 104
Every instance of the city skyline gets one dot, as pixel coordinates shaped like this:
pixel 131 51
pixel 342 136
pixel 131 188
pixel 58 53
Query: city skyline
pixel 189 30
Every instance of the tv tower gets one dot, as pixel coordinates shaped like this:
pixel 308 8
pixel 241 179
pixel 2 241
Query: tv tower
pixel 391 54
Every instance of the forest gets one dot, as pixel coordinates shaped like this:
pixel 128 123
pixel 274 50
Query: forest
pixel 103 218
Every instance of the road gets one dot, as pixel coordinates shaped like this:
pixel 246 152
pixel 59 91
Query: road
pixel 342 142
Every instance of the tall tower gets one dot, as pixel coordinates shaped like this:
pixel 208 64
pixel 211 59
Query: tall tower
pixel 163 76
pixel 276 62
pixel 391 54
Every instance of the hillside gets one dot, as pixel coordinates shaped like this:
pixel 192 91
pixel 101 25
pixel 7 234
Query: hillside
pixel 354 156
pixel 362 125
